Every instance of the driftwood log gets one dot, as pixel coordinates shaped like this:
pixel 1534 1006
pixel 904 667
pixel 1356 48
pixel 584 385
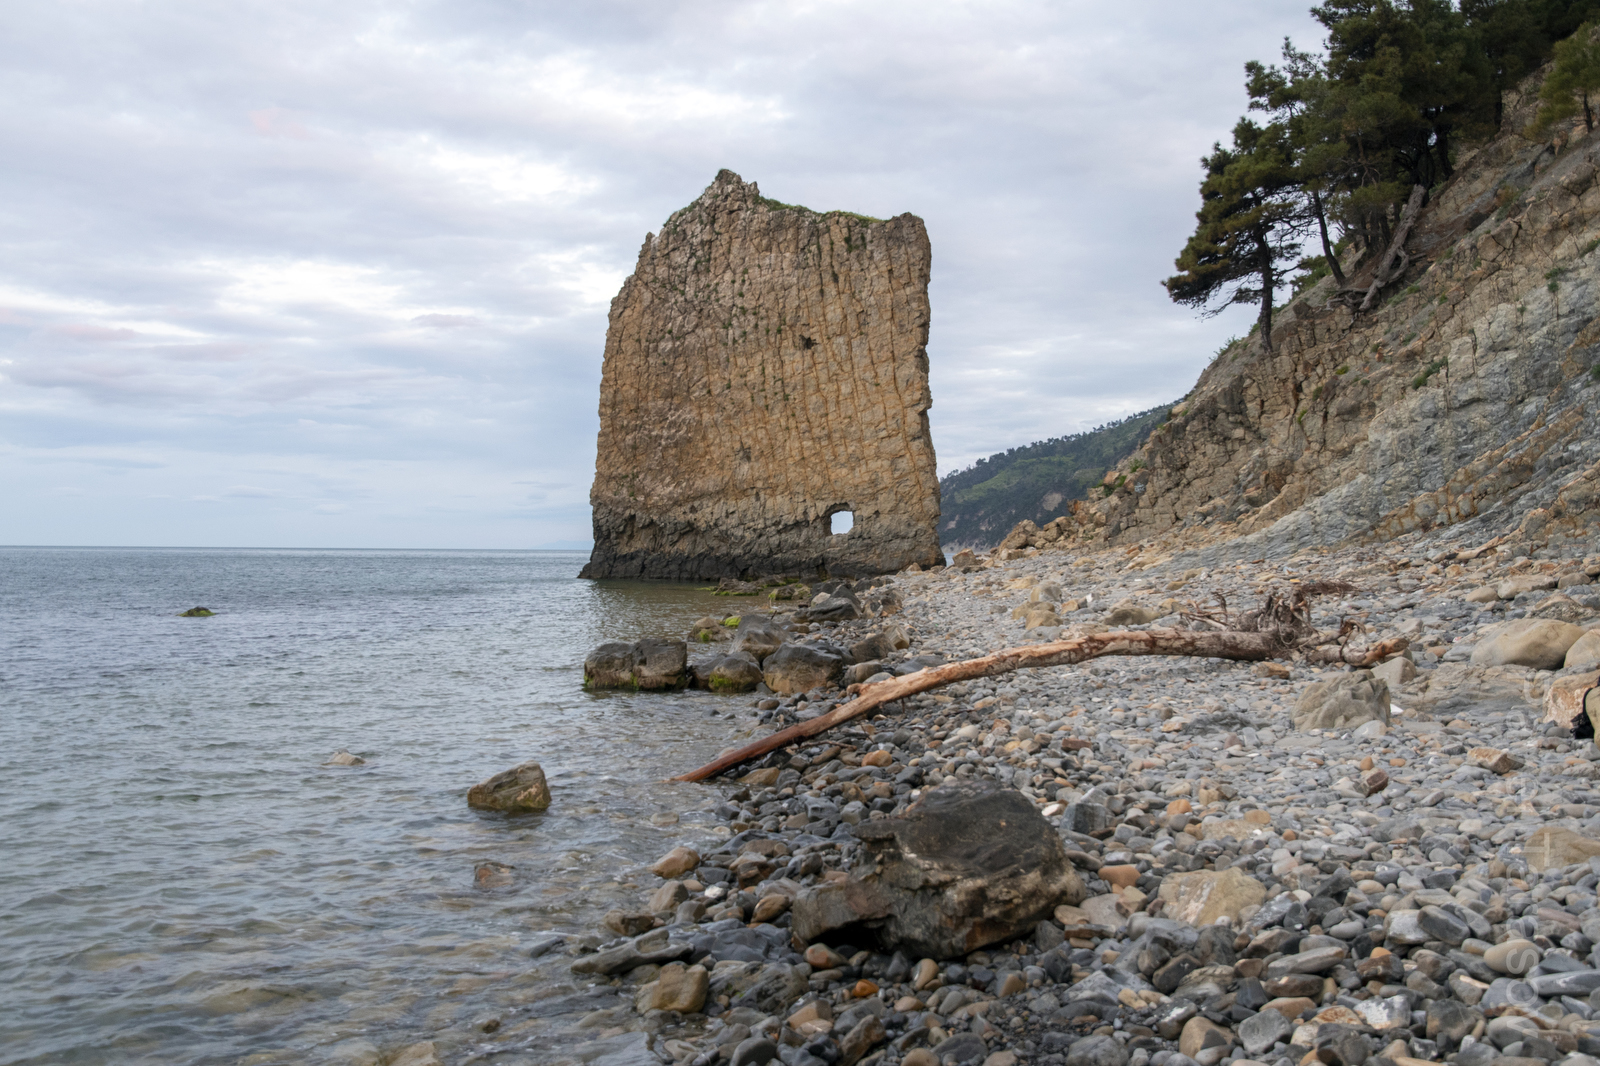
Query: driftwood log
pixel 1247 646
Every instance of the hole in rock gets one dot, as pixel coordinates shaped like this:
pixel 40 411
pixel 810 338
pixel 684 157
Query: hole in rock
pixel 842 522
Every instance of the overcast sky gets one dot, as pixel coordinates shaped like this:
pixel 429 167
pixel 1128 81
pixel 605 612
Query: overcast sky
pixel 336 274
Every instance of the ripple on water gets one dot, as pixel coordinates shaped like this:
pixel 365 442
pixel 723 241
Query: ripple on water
pixel 225 897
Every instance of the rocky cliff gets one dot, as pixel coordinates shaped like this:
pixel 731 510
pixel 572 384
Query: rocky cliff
pixel 1468 397
pixel 766 368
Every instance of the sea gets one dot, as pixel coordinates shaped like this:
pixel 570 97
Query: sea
pixel 184 878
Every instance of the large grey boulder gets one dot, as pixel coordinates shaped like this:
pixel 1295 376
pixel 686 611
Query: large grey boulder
pixel 796 668
pixel 1343 702
pixel 646 664
pixel 966 866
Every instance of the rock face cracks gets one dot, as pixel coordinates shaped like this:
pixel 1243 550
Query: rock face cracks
pixel 765 369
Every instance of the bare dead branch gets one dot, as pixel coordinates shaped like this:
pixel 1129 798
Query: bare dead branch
pixel 1228 644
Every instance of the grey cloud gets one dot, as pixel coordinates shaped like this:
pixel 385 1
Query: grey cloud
pixel 374 243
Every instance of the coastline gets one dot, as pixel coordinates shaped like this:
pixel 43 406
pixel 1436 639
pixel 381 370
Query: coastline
pixel 1160 772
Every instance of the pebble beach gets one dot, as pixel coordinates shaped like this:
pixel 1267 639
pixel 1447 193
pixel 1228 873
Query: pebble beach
pixel 1401 867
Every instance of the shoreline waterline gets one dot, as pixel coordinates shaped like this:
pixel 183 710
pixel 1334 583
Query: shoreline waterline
pixel 189 883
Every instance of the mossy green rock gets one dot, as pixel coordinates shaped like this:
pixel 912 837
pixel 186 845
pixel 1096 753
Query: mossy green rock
pixel 198 612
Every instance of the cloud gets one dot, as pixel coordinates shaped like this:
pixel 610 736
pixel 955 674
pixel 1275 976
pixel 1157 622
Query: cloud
pixel 369 248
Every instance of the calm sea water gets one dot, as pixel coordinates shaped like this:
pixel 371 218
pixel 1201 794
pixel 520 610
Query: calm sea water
pixel 182 880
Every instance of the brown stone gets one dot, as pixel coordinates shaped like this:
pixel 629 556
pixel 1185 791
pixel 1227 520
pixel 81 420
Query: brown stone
pixel 1294 985
pixel 677 987
pixel 676 863
pixel 765 367
pixel 519 789
pixel 1201 897
pixel 769 907
pixel 1494 759
pixel 1199 1034
pixel 1291 1007
pixel 1120 876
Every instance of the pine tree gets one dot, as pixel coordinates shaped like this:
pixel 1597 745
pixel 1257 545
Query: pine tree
pixel 1299 95
pixel 1572 82
pixel 1248 220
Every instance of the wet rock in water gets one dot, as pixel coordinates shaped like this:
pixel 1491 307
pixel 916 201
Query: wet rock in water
pixel 521 788
pixel 676 863
pixel 1343 702
pixel 423 1054
pixel 795 668
pixel 707 629
pixel 610 666
pixel 966 866
pixel 1201 897
pixel 197 612
pixel 629 923
pixel 677 987
pixel 650 664
pixel 1541 643
pixel 344 758
pixel 492 875
pixel 735 673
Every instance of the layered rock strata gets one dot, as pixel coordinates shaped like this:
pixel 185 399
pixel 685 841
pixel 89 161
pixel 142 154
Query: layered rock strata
pixel 766 368
pixel 1472 389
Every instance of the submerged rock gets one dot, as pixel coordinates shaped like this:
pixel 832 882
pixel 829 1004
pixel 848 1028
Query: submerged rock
pixel 344 758
pixel 965 867
pixel 646 664
pixel 522 788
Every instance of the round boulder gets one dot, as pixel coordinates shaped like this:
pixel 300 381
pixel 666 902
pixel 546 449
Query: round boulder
pixel 1541 643
pixel 735 673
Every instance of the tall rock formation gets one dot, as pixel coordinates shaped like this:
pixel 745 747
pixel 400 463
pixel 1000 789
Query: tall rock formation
pixel 766 368
pixel 1469 395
